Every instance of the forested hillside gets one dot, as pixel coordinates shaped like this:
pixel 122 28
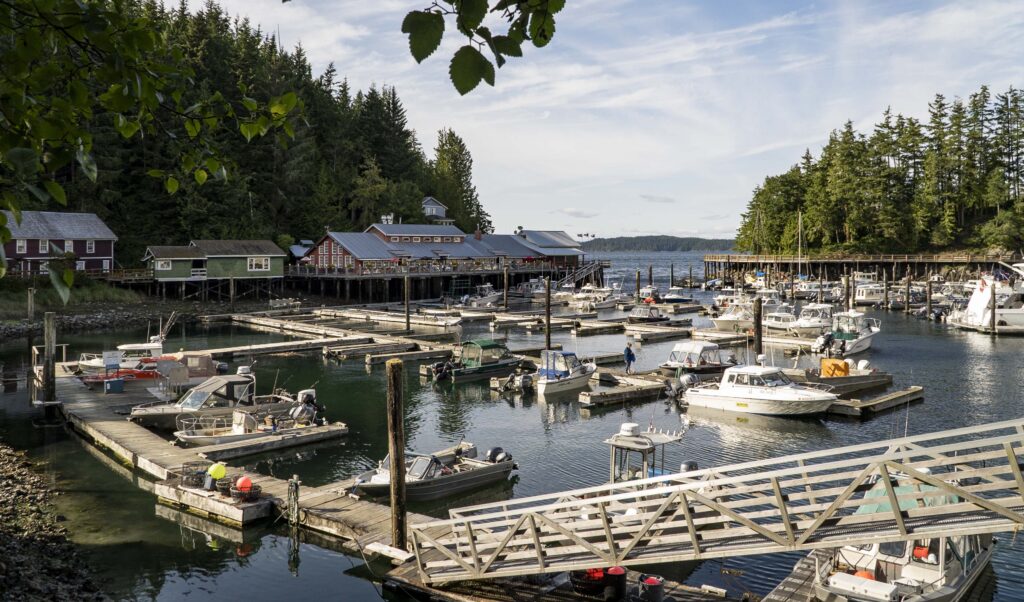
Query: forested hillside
pixel 353 156
pixel 953 181
pixel 657 243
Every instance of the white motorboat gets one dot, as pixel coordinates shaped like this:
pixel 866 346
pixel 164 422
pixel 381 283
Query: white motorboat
pixel 650 292
pixel 760 390
pixel 129 355
pixel 807 289
pixel 778 320
pixel 677 294
pixel 868 294
pixel 562 371
pixel 937 569
pixel 851 333
pixel 727 296
pixel 212 430
pixel 735 319
pixel 698 357
pixel 977 314
pixel 485 295
pixel 814 319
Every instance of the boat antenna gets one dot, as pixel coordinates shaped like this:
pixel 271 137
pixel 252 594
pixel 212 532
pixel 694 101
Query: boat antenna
pixel 906 423
pixel 276 374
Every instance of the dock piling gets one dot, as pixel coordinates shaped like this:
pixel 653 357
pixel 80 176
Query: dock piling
pixel 906 299
pixel 505 273
pixel 406 293
pixel 846 292
pixel 547 310
pixel 928 299
pixel 885 289
pixel 31 303
pixel 671 275
pixel 758 348
pixel 396 452
pixel 650 275
pixel 992 308
pixel 691 276
pixel 49 356
pixel 638 285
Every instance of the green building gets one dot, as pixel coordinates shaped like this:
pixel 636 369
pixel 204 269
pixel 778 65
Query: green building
pixel 205 260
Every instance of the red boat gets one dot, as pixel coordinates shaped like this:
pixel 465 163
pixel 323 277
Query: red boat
pixel 144 370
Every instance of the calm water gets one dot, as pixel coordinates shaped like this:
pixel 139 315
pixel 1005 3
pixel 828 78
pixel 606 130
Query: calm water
pixel 145 552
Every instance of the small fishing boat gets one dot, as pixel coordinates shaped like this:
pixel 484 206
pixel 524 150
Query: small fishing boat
pixel 444 473
pixel 484 295
pixel 481 358
pixel 728 296
pixel 217 396
pixel 868 294
pixel 697 357
pixel 130 355
pixel 779 321
pixel 650 292
pixel 676 294
pixel 145 369
pixel 851 333
pixel 936 569
pixel 814 318
pixel 736 318
pixel 562 371
pixel 760 390
pixel 212 430
pixel 646 314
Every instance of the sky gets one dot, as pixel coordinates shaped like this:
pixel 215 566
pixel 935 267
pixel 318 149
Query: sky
pixel 661 116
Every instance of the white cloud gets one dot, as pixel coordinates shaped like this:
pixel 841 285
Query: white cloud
pixel 578 213
pixel 654 198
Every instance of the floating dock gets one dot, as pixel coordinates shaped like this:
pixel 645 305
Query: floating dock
pixel 858 407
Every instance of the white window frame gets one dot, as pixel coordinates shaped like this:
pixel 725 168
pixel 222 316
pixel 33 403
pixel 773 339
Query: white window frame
pixel 44 245
pixel 69 246
pixel 456 239
pixel 430 210
pixel 437 239
pixel 406 239
pixel 447 239
pixel 394 239
pixel 21 246
pixel 80 265
pixel 106 265
pixel 163 265
pixel 416 239
pixel 44 267
pixel 259 264
pixel 90 246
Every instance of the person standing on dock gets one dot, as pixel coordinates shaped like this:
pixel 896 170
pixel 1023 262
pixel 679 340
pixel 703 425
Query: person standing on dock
pixel 630 357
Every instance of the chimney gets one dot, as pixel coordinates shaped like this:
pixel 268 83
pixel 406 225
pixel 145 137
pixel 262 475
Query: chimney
pixel 478 234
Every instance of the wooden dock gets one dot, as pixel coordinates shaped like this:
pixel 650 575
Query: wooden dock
pixel 271 442
pixel 623 389
pixel 281 347
pixel 798 586
pixel 858 407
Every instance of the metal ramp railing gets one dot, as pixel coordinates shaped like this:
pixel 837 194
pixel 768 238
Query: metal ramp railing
pixel 957 482
pixel 580 273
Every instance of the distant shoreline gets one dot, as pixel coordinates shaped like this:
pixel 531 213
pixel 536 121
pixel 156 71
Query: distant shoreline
pixel 671 244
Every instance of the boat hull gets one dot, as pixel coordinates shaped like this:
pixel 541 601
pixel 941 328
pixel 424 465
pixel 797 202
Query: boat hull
pixel 164 416
pixel 732 325
pixel 484 372
pixel 859 344
pixel 562 385
pixel 752 405
pixel 445 485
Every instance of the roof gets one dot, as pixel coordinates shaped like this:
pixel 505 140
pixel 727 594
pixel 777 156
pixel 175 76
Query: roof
pixel 485 343
pixel 173 252
pixel 299 251
pixel 417 230
pixel 755 370
pixel 508 245
pixel 58 225
pixel 429 200
pixel 433 250
pixel 550 238
pixel 363 245
pixel 234 248
pixel 694 346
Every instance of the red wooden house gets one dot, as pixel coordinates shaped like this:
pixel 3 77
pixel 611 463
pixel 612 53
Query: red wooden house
pixel 43 235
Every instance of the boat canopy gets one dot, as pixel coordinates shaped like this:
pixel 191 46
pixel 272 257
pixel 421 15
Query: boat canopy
pixel 695 353
pixel 483 351
pixel 644 311
pixel 557 364
pixel 219 391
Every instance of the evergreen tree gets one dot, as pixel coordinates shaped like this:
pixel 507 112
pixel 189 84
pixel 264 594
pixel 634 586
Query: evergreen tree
pixel 452 183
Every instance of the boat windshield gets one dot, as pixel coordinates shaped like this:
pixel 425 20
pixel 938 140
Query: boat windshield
pixel 193 400
pixel 775 379
pixel 422 468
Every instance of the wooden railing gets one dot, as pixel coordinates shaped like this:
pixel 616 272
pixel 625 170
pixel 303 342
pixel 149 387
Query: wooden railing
pixel 881 258
pixel 957 482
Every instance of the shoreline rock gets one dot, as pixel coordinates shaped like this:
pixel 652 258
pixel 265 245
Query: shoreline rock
pixel 37 559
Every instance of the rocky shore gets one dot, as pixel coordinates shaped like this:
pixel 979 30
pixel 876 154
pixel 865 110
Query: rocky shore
pixel 37 561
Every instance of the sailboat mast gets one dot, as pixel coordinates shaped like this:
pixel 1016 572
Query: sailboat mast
pixel 799 240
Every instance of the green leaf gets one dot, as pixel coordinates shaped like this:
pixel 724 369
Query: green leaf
pixel 507 46
pixel 155 173
pixel 24 160
pixel 212 164
pixel 542 28
pixel 56 191
pixel 425 31
pixel 468 67
pixel 471 15
pixel 192 126
pixel 555 6
pixel 127 127
pixel 249 103
pixel 249 130
pixel 87 163
pixel 37 192
pixel 200 176
pixel 283 104
pixel 60 284
pixel 171 185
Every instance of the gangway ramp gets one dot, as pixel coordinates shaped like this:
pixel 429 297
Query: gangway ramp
pixel 955 482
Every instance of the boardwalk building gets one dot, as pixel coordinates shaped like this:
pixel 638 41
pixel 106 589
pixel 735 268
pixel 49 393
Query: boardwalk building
pixel 81 238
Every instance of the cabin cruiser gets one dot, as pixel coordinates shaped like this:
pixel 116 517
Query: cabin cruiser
pixel 936 569
pixel 698 357
pixel 977 314
pixel 813 319
pixel 444 473
pixel 480 358
pixel 727 296
pixel 807 289
pixel 485 295
pixel 778 321
pixel 851 333
pixel 677 294
pixel 760 390
pixel 218 396
pixel 736 318
pixel 650 292
pixel 130 355
pixel 645 314
pixel 868 294
pixel 562 371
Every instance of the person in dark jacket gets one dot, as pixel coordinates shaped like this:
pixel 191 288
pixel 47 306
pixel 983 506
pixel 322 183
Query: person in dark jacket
pixel 630 357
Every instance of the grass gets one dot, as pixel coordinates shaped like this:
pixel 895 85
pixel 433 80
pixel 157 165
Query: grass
pixel 14 296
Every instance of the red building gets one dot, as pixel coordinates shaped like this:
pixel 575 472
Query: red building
pixel 43 235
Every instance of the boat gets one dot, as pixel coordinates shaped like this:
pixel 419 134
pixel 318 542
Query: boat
pixel 977 314
pixel 676 294
pixel 144 369
pixel 697 357
pixel 484 295
pixel 736 318
pixel 562 371
pixel 130 355
pixel 194 366
pixel 778 321
pixel 727 296
pixel 807 289
pixel 868 294
pixel 936 569
pixel 851 333
pixel 843 377
pixel 444 473
pixel 480 358
pixel 212 430
pixel 762 390
pixel 217 396
pixel 650 292
pixel 646 314
pixel 814 318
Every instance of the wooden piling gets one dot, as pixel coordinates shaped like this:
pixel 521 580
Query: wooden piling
pixel 758 348
pixel 650 275
pixel 638 285
pixel 231 290
pixel 49 356
pixel 928 299
pixel 396 452
pixel 906 300
pixel 885 289
pixel 406 293
pixel 846 292
pixel 992 308
pixel 31 303
pixel 691 276
pixel 671 275
pixel 547 311
pixel 505 274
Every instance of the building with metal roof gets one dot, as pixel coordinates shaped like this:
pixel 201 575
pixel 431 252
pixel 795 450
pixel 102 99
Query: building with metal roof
pixel 507 245
pixel 397 230
pixel 41 236
pixel 238 248
pixel 436 212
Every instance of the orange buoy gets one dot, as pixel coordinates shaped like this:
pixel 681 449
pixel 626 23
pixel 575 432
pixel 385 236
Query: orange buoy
pixel 865 575
pixel 244 484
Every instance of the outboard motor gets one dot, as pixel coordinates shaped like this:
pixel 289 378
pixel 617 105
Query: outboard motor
pixel 222 368
pixel 688 466
pixel 493 453
pixel 442 370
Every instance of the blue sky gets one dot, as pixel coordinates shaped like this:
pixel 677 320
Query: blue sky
pixel 661 116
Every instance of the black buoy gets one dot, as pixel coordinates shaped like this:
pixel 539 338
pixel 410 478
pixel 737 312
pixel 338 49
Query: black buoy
pixel 614 584
pixel 652 588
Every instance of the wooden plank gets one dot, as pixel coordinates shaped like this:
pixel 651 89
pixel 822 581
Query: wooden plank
pixel 240 449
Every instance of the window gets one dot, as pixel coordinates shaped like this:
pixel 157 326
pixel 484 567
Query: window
pixel 259 264
pixel 163 264
pixel 447 239
pixel 69 246
pixel 44 245
pixel 90 246
pixel 394 239
pixel 430 210
pixel 80 266
pixel 457 239
pixel 437 239
pixel 405 239
pixel 43 267
pixel 416 239
pixel 21 246
pixel 106 265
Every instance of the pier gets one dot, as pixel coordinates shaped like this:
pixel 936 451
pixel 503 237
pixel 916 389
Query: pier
pixel 731 266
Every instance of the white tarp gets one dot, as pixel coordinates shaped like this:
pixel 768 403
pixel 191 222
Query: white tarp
pixel 978 312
